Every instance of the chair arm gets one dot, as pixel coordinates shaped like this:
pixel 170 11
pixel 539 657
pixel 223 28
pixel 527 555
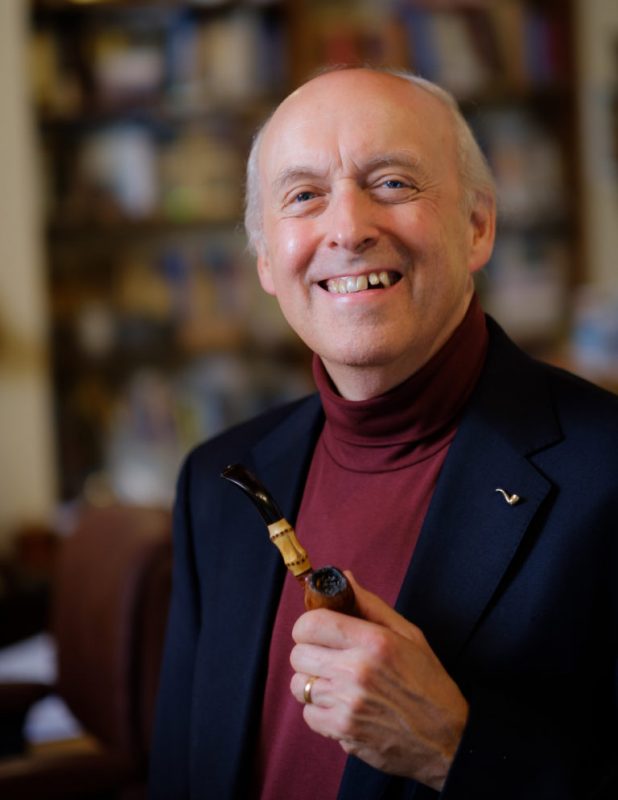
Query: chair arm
pixel 70 775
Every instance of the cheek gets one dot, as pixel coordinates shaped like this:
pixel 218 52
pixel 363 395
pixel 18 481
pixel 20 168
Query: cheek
pixel 292 244
pixel 418 229
pixel 442 246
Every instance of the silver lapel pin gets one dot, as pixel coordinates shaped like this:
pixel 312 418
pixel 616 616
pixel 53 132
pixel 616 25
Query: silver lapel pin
pixel 511 499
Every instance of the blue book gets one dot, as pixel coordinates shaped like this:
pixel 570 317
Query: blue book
pixel 424 58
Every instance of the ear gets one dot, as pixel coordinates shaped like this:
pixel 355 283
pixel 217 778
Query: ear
pixel 482 232
pixel 265 272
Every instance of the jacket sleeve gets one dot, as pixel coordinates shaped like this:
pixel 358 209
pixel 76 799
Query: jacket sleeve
pixel 169 763
pixel 512 751
pixel 515 749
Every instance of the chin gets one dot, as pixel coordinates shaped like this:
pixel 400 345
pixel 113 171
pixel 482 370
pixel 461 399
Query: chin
pixel 368 357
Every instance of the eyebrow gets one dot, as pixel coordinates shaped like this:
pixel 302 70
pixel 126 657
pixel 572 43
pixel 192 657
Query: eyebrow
pixel 293 175
pixel 396 158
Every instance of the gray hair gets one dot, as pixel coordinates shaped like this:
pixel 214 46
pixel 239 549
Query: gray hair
pixel 475 174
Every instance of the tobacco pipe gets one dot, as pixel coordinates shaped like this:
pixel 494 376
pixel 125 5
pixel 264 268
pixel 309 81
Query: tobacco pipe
pixel 326 587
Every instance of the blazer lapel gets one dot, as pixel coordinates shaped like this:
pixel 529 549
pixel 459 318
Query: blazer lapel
pixel 469 538
pixel 471 534
pixel 234 656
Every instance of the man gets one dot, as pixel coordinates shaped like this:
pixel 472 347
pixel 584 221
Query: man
pixel 471 491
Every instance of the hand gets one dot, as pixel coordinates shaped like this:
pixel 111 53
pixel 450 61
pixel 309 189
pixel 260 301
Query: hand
pixel 380 690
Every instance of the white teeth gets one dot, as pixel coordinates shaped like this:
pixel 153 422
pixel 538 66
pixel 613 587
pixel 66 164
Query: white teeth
pixel 357 283
pixel 332 285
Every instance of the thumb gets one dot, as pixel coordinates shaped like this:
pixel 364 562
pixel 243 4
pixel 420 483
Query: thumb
pixel 374 609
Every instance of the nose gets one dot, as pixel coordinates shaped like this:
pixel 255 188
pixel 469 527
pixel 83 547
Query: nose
pixel 351 221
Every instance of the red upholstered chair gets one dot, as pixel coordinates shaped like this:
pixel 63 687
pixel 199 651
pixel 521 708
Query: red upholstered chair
pixel 110 600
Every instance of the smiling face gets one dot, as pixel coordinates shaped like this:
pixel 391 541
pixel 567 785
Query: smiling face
pixel 366 242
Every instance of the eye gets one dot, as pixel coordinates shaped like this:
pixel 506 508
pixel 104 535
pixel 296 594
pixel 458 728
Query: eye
pixel 393 189
pixel 394 183
pixel 302 197
pixel 303 201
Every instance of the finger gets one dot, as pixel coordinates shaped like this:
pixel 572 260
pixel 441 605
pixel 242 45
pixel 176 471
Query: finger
pixel 307 689
pixel 338 631
pixel 328 629
pixel 312 659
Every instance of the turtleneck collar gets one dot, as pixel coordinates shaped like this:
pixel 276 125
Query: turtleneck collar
pixel 413 420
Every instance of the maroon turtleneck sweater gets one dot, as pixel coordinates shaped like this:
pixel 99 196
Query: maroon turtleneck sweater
pixel 370 482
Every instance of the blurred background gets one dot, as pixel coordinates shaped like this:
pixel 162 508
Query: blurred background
pixel 131 322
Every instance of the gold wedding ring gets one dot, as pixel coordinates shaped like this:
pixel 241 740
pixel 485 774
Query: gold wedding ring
pixel 307 690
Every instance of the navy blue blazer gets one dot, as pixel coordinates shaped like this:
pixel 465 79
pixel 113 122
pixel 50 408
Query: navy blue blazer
pixel 520 602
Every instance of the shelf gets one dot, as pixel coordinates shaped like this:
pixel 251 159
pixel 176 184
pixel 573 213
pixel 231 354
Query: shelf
pixel 168 354
pixel 121 232
pixel 155 113
pixel 103 7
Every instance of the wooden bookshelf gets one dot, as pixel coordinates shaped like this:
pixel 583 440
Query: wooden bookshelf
pixel 146 111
